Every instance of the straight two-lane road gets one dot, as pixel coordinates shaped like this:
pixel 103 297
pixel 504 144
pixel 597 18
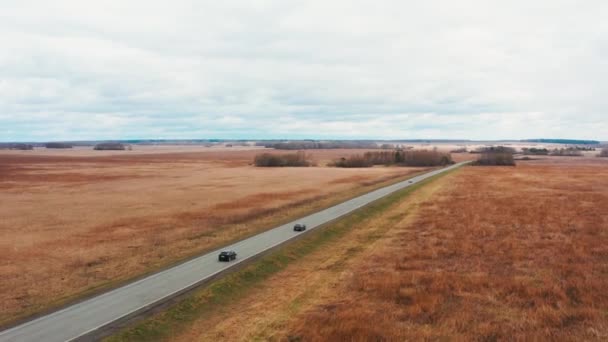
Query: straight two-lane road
pixel 92 314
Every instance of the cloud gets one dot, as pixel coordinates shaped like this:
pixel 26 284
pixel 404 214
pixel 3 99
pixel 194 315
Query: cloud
pixel 318 69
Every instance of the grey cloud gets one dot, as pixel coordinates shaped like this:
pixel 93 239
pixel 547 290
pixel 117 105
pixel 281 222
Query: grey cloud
pixel 339 69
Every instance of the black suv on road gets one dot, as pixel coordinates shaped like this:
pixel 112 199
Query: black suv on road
pixel 227 256
pixel 299 227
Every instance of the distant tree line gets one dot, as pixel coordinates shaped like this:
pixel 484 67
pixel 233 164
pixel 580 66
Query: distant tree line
pixel 299 159
pixel 535 151
pixel 566 152
pixel 16 146
pixel 564 141
pixel 57 145
pixel 495 149
pixel 460 150
pixel 356 160
pixel 496 156
pixel 395 147
pixel 396 157
pixel 111 147
pixel 585 148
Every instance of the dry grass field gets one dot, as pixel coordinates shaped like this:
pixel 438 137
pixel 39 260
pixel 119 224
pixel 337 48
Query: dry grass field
pixel 74 223
pixel 268 309
pixel 486 253
pixel 500 253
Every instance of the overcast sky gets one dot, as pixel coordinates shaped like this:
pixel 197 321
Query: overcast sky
pixel 79 69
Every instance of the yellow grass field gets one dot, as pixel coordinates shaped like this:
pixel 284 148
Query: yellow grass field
pixel 75 221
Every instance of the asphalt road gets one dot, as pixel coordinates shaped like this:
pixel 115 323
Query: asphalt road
pixel 87 316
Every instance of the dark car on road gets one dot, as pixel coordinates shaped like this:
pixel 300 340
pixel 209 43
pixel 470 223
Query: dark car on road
pixel 299 227
pixel 227 256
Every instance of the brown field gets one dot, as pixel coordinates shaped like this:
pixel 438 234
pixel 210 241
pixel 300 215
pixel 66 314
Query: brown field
pixel 266 311
pixel 75 221
pixel 500 253
pixel 486 253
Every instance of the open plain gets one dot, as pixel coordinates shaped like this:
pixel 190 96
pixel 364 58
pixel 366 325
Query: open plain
pixel 77 223
pixel 485 253
pixel 498 253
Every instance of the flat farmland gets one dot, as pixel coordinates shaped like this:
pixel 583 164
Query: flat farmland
pixel 484 253
pixel 75 222
pixel 499 253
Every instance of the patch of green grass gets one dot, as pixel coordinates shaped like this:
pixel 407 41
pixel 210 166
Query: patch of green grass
pixel 214 296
